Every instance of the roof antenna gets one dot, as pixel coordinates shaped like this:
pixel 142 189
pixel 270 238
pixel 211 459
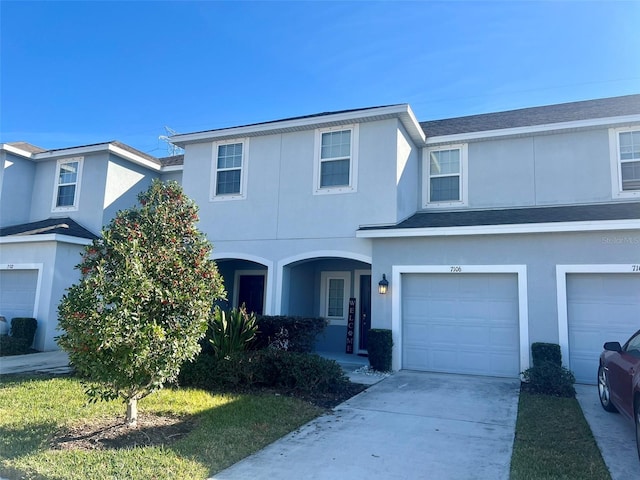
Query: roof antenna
pixel 172 149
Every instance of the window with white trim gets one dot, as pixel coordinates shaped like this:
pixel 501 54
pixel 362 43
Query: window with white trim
pixel 335 296
pixel 444 173
pixel 625 162
pixel 336 160
pixel 67 186
pixel 229 171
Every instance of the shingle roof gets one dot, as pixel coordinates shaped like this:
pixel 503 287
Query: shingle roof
pixel 27 147
pixel 518 216
pixel 172 161
pixel 62 226
pixel 302 117
pixel 526 117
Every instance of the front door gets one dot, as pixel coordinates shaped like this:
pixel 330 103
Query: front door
pixel 364 314
pixel 251 293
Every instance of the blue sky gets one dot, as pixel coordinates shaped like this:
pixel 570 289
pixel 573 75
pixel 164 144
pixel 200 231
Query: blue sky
pixel 74 73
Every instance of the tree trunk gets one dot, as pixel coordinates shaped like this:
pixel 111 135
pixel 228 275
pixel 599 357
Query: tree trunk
pixel 132 412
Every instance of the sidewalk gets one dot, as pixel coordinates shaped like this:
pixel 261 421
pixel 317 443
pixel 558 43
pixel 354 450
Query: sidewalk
pixel 44 362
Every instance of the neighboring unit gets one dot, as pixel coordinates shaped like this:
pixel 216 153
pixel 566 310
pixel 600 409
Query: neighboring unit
pixel 494 231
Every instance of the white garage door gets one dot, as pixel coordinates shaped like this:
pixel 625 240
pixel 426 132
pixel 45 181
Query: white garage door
pixel 461 323
pixel 17 293
pixel 601 307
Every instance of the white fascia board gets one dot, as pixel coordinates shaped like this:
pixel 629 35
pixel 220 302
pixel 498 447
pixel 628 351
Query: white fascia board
pixel 15 151
pixel 550 227
pixel 402 111
pixel 172 168
pixel 595 122
pixel 103 147
pixel 52 237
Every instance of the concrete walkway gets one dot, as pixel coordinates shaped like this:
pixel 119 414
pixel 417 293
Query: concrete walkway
pixel 409 425
pixel 614 434
pixel 44 362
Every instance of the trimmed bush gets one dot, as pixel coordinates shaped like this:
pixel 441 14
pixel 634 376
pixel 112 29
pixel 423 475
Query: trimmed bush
pixel 12 346
pixel 24 328
pixel 546 352
pixel 549 379
pixel 548 376
pixel 297 333
pixel 270 368
pixel 380 347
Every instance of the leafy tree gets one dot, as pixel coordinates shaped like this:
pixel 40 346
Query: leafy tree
pixel 143 300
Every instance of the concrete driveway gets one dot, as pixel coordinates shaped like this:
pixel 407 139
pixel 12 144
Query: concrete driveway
pixel 410 425
pixel 614 434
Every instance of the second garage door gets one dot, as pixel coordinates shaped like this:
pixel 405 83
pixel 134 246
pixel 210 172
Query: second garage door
pixel 461 323
pixel 601 307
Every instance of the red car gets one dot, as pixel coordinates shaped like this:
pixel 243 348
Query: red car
pixel 619 380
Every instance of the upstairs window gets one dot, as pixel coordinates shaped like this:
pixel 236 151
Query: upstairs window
pixel 229 171
pixel 625 162
pixel 336 160
pixel 444 172
pixel 630 160
pixel 67 186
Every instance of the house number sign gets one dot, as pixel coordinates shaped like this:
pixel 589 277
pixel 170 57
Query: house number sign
pixel 351 324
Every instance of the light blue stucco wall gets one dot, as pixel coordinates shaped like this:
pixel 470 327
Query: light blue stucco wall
pixel 540 252
pixel 542 169
pixel 17 186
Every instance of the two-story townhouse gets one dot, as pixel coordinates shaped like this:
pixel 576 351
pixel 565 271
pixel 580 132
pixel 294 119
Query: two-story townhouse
pixel 493 231
pixel 52 204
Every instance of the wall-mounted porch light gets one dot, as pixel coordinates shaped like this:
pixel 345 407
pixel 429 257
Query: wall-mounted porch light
pixel 383 285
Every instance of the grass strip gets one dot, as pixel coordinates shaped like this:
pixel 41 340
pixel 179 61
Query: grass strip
pixel 554 441
pixel 227 428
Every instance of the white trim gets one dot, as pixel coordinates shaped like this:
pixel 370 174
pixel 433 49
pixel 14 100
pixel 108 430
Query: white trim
pixel 548 127
pixel 561 289
pixel 403 112
pixel 463 176
pixel 172 168
pixel 50 237
pixel 102 147
pixel 28 266
pixel 616 170
pixel 57 185
pixel 244 169
pixel 353 161
pixel 268 289
pixel 252 273
pixel 396 301
pixel 15 151
pixel 549 227
pixel 313 255
pixel 325 278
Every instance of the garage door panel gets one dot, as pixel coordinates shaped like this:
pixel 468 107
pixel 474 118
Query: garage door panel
pixel 461 323
pixel 600 307
pixel 18 293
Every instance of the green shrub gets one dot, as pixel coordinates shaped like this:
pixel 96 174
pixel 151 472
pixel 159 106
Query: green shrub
pixel 546 352
pixel 24 328
pixel 12 346
pixel 295 334
pixel 380 348
pixel 549 379
pixel 270 368
pixel 232 331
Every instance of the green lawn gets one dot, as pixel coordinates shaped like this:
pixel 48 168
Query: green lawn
pixel 228 428
pixel 554 441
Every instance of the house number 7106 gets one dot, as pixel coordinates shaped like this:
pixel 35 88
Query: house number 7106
pixel 456 269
